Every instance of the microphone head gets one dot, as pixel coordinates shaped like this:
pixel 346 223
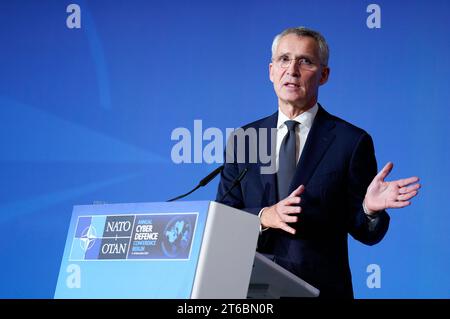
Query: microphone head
pixel 240 177
pixel 235 183
pixel 242 174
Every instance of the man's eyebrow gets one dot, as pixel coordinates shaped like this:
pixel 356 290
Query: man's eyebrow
pixel 303 55
pixel 283 54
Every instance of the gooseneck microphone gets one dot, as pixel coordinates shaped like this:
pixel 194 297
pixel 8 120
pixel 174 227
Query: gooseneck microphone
pixel 202 183
pixel 235 183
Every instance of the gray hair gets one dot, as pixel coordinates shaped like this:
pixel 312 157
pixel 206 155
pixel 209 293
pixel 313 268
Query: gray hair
pixel 324 51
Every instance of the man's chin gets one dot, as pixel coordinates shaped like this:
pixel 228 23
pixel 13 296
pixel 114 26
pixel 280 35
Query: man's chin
pixel 293 96
pixel 293 100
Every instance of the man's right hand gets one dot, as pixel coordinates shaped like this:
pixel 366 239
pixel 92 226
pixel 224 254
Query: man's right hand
pixel 280 214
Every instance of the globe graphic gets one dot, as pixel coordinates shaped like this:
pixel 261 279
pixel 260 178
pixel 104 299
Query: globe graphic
pixel 177 237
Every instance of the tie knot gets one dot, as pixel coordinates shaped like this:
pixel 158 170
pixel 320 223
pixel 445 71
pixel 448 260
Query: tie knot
pixel 291 125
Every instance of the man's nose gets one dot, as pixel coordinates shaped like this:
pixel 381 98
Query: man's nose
pixel 293 69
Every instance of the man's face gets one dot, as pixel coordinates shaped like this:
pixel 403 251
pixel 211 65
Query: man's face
pixel 297 82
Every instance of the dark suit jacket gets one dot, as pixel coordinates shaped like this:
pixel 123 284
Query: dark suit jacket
pixel 336 166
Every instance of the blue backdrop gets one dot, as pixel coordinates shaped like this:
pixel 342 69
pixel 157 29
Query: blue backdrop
pixel 87 115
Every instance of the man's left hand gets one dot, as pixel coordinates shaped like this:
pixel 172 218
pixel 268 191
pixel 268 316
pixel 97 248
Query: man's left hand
pixel 395 194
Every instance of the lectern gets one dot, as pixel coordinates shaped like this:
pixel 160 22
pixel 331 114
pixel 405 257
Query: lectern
pixel 181 250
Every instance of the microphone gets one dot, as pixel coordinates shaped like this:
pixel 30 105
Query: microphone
pixel 202 183
pixel 235 183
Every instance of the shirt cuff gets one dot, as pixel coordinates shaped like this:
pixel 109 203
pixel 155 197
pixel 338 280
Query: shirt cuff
pixel 261 229
pixel 371 217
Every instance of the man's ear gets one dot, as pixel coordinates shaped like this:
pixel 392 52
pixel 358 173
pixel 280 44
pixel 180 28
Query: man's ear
pixel 271 72
pixel 324 75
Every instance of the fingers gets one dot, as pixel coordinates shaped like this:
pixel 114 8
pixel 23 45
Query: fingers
pixel 286 217
pixel 280 214
pixel 290 219
pixel 289 205
pixel 407 181
pixel 408 196
pixel 404 195
pixel 284 220
pixel 293 210
pixel 292 201
pixel 406 190
pixel 399 204
pixel 298 191
pixel 285 213
pixel 288 229
pixel 385 171
pixel 283 210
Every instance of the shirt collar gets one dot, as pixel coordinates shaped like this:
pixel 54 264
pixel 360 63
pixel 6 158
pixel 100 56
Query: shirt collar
pixel 306 118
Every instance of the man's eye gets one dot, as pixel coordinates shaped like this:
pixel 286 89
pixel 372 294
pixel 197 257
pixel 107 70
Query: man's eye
pixel 305 61
pixel 284 59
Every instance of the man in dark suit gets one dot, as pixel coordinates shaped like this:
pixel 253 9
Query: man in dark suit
pixel 324 185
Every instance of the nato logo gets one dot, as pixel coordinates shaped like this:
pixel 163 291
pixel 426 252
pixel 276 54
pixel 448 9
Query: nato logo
pixel 102 237
pixel 88 237
pixel 86 243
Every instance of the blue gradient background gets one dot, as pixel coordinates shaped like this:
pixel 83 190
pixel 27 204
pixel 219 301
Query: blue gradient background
pixel 87 115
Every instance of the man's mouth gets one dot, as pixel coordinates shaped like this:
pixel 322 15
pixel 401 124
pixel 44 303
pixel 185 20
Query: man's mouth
pixel 292 85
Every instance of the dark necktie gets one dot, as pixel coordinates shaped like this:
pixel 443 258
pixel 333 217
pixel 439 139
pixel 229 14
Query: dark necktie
pixel 287 160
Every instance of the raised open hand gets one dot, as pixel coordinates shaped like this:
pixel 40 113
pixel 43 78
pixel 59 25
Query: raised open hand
pixel 394 194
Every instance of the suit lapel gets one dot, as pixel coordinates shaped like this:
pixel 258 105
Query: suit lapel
pixel 318 141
